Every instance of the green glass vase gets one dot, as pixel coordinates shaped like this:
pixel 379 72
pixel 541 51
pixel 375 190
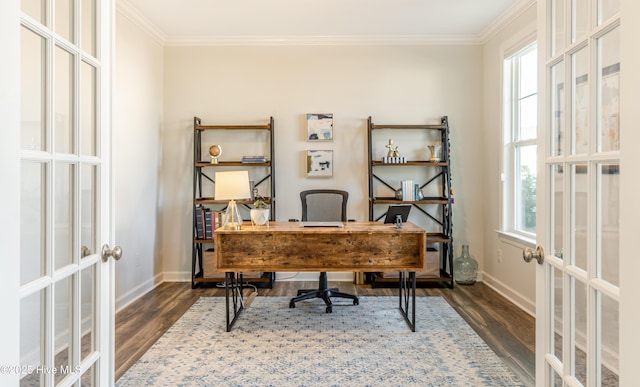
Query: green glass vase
pixel 465 268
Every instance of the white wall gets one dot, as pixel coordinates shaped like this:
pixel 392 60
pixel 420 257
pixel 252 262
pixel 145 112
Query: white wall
pixel 136 159
pixel 401 84
pixel 509 275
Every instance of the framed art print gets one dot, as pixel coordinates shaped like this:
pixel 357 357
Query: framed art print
pixel 319 127
pixel 319 163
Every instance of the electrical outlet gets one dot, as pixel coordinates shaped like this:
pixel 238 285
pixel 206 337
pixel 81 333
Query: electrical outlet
pixel 499 256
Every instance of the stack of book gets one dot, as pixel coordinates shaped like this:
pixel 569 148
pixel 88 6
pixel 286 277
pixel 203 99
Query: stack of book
pixel 408 190
pixel 394 160
pixel 254 159
pixel 205 222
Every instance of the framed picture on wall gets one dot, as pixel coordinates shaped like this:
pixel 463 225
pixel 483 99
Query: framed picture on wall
pixel 319 163
pixel 319 126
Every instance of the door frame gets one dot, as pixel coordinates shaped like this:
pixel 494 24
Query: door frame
pixel 10 193
pixel 629 194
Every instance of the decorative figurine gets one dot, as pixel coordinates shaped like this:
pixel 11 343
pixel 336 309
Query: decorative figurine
pixel 435 152
pixel 390 147
pixel 215 151
pixel 396 152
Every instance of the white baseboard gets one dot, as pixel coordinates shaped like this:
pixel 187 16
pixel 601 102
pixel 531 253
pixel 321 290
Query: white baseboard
pixel 137 292
pixel 176 276
pixel 527 305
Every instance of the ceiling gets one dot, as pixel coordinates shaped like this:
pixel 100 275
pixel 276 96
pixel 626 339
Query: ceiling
pixel 300 20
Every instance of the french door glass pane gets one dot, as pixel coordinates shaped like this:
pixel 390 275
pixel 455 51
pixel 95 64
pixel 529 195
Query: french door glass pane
pixel 88 208
pixel 88 26
pixel 63 217
pixel 33 210
pixel 32 309
pixel 609 223
pixel 579 212
pixel 557 210
pixel 88 109
pixel 558 34
pixel 557 109
pixel 608 91
pixel 32 90
pixel 64 19
pixel 34 8
pixel 63 326
pixel 557 313
pixel 88 379
pixel 63 101
pixel 609 333
pixel 87 312
pixel 580 87
pixel 580 20
pixel 607 8
pixel 580 357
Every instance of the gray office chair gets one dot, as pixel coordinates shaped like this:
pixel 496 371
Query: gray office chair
pixel 323 205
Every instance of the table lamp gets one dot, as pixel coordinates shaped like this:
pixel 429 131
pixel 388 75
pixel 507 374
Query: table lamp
pixel 232 185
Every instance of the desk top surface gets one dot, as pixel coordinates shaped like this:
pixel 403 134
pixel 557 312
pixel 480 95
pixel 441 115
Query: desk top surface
pixel 349 227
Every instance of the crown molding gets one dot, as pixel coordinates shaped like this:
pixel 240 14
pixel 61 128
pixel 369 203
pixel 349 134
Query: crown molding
pixel 136 17
pixel 503 20
pixel 125 8
pixel 323 40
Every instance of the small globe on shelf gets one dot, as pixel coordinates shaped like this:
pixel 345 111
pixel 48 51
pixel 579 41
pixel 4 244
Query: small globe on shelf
pixel 215 151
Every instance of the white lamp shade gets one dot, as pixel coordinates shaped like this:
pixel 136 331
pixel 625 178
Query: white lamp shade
pixel 232 185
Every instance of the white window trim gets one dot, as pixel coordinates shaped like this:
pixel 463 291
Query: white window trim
pixel 507 230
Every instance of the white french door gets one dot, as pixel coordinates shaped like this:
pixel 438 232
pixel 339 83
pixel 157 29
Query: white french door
pixel 63 97
pixel 578 206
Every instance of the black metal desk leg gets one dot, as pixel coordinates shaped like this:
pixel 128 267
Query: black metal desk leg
pixel 405 295
pixel 235 292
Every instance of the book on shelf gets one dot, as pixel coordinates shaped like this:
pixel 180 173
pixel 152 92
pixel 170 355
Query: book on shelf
pixel 199 216
pixel 206 222
pixel 208 230
pixel 254 159
pixel 408 190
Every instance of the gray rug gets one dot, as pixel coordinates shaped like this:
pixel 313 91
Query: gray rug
pixel 363 345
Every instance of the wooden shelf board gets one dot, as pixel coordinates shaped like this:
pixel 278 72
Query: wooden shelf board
pixel 221 279
pixel 231 164
pixel 434 237
pixel 421 163
pixel 437 127
pixel 233 127
pixel 210 200
pixel 428 200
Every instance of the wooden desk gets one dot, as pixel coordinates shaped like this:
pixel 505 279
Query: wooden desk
pixel 285 246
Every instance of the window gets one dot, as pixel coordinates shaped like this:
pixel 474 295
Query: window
pixel 520 126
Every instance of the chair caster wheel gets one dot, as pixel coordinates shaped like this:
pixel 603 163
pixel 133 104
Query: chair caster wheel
pixel 356 302
pixel 329 309
pixel 292 305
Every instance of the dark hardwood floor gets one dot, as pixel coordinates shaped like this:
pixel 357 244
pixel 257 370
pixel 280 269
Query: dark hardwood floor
pixel 509 331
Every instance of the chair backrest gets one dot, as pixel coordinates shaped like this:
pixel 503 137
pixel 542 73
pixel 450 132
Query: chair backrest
pixel 324 205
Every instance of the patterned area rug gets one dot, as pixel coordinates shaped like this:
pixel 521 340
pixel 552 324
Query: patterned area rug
pixel 362 345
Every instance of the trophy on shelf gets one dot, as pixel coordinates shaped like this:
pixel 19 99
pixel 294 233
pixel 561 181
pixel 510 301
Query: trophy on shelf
pixel 215 151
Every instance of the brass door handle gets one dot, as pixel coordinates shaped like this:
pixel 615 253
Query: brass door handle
pixel 115 253
pixel 528 254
